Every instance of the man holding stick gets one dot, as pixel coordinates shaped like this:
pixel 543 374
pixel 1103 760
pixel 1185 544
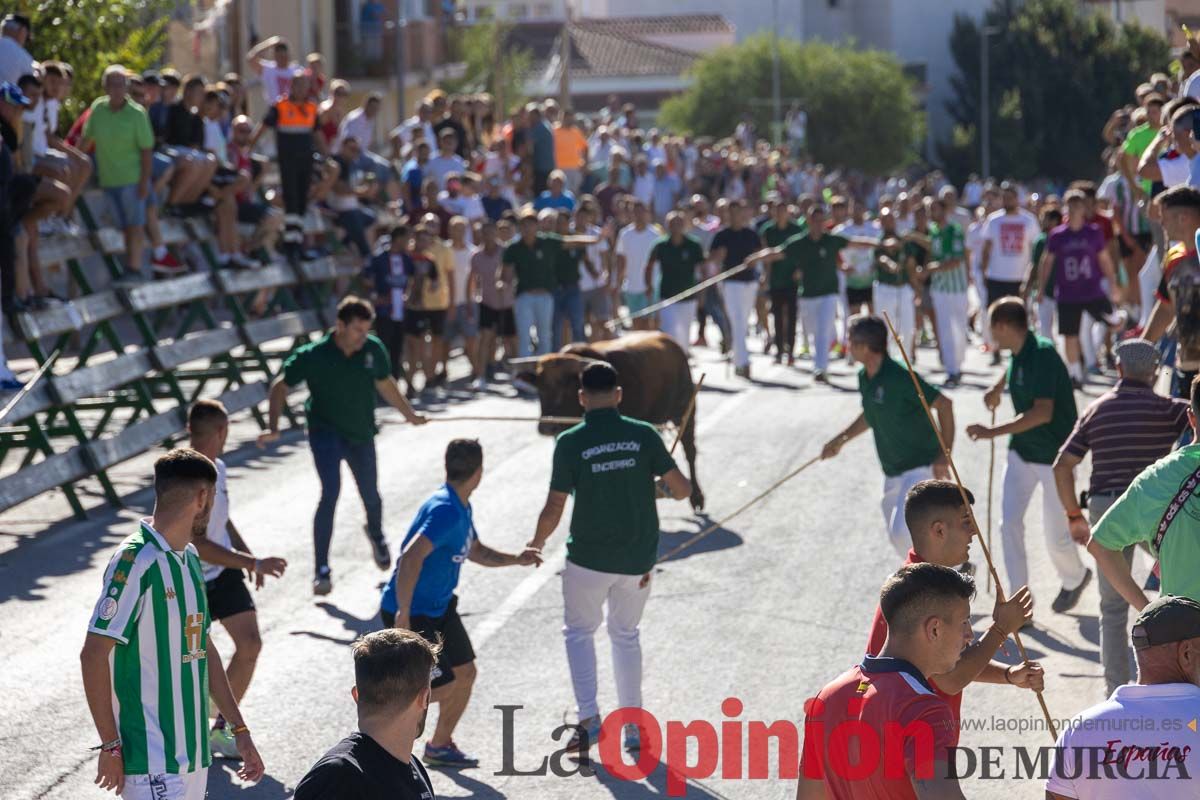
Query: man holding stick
pixel 732 247
pixel 905 441
pixel 1045 405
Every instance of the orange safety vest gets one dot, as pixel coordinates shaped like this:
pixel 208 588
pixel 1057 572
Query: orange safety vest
pixel 295 117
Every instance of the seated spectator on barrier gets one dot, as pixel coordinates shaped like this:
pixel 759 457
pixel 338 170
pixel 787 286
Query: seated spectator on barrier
pixel 184 137
pixel 251 208
pixel 120 132
pixel 12 106
pixel 360 123
pixel 227 184
pixel 52 156
pixel 15 60
pixel 332 110
pixel 162 172
pixel 189 177
pixel 345 199
pixel 315 71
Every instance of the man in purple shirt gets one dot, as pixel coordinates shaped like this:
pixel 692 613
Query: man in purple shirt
pixel 1076 262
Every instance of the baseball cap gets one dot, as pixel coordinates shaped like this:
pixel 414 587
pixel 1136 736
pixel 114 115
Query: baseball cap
pixel 10 93
pixel 598 377
pixel 18 19
pixel 151 78
pixel 1137 356
pixel 1168 619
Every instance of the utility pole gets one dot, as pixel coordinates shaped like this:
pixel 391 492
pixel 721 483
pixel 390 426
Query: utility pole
pixel 776 101
pixel 564 59
pixel 985 109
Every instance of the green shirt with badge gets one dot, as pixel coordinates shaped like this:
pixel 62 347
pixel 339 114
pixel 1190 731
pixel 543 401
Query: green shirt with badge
pixel 610 462
pixel 1036 371
pixel 678 264
pixel 1136 515
pixel 904 438
pixel 882 275
pixel 535 265
pixel 817 260
pixel 567 266
pixel 341 389
pixel 947 242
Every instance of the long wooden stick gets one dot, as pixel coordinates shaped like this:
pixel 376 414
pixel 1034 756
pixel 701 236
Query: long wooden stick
pixel 29 384
pixel 718 525
pixel 987 551
pixel 684 295
pixel 687 415
pixel 991 473
pixel 551 420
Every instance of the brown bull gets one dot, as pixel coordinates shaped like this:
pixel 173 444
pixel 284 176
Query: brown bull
pixel 655 379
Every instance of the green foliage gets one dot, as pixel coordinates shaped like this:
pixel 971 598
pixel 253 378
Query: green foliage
pixel 862 110
pixel 1056 73
pixel 92 34
pixel 490 64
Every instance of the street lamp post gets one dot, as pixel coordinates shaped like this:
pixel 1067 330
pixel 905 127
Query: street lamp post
pixel 776 101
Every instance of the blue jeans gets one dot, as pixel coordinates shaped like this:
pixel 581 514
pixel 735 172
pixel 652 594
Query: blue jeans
pixel 355 223
pixel 568 306
pixel 534 310
pixel 329 449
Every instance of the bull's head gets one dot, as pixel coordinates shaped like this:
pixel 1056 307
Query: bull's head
pixel 557 379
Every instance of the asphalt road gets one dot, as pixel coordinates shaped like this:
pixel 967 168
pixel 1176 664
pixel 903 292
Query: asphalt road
pixel 766 610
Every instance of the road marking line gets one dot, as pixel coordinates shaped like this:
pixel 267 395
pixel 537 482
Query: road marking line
pixel 531 584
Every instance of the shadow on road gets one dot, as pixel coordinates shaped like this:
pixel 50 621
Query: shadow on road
pixel 223 784
pixel 720 539
pixel 354 626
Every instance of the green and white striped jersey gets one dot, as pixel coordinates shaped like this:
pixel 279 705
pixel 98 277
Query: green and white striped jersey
pixel 154 605
pixel 947 242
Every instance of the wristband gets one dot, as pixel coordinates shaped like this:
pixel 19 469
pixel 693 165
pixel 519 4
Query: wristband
pixel 1008 673
pixel 237 730
pixel 1071 517
pixel 258 565
pixel 114 744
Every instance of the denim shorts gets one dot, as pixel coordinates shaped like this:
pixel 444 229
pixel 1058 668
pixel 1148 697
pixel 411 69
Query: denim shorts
pixel 128 209
pixel 159 164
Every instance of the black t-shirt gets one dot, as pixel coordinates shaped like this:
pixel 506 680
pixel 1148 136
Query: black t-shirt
pixel 183 128
pixel 738 244
pixel 357 768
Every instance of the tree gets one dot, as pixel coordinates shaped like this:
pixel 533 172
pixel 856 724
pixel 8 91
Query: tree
pixel 490 64
pixel 1055 75
pixel 862 110
pixel 93 34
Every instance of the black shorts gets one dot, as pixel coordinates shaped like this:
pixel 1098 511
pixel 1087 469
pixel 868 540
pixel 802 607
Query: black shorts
pixel 1144 241
pixel 21 190
pixel 859 297
pixel 228 595
pixel 419 323
pixel 1070 314
pixel 500 320
pixel 999 289
pixel 252 213
pixel 449 630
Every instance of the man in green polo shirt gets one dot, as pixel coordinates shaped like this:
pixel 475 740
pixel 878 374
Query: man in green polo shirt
pixel 1044 402
pixel 343 369
pixel 783 279
pixel 609 462
pixel 529 265
pixel 815 256
pixel 1160 509
pixel 905 441
pixel 679 257
pixel 894 290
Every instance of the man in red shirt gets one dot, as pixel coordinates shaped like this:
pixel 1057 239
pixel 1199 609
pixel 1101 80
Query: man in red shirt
pixel 941 531
pixel 880 730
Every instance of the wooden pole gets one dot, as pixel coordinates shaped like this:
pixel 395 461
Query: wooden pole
pixel 962 491
pixel 687 415
pixel 991 473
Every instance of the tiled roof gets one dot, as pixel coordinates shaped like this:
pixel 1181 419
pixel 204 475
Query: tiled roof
pixel 661 26
pixel 601 48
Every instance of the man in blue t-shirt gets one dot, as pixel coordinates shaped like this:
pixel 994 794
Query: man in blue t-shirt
pixel 420 594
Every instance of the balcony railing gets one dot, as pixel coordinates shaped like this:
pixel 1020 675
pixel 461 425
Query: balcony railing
pixel 370 51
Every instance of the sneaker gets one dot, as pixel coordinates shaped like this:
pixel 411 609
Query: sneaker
pixel 383 556
pixel 448 756
pixel 168 265
pixel 779 358
pixel 632 739
pixel 323 583
pixel 1067 598
pixel 742 372
pixel 820 377
pixel 479 384
pixel 586 734
pixel 223 745
pixel 791 360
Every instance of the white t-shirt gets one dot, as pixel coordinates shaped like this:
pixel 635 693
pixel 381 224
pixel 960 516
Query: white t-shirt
pixel 1134 725
pixel 36 117
pixel 595 254
pixel 1012 237
pixel 635 245
pixel 51 106
pixel 218 521
pixel 276 81
pixel 359 126
pixel 973 239
pixel 214 139
pixel 861 260
pixel 1175 171
pixel 462 271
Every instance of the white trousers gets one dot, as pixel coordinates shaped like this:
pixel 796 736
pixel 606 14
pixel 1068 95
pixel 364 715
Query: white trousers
pixel 739 300
pixel 895 490
pixel 1045 314
pixel 188 786
pixel 584 594
pixel 1021 478
pixel 951 311
pixel 676 321
pixel 820 315
pixel 897 301
pixel 1148 280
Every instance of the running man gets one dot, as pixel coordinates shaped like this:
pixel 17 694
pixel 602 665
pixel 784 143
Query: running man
pixel 679 257
pixel 1076 260
pixel 344 370
pixel 1008 238
pixel 905 442
pixel 224 554
pixel 948 290
pixel 1044 403
pixel 927 608
pixel 941 532
pixel 610 463
pixel 420 594
pixel 148 654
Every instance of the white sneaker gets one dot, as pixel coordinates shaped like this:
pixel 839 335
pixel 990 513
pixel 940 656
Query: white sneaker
pixel 479 384
pixel 223 745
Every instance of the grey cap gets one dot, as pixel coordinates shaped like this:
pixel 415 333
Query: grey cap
pixel 1168 619
pixel 1137 357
